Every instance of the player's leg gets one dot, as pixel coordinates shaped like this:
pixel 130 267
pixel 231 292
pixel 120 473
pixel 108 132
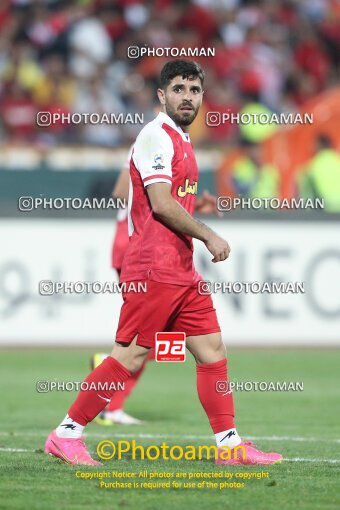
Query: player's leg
pixel 66 441
pixel 116 368
pixel 211 367
pixel 198 319
pixel 211 370
pixel 114 411
pixel 134 338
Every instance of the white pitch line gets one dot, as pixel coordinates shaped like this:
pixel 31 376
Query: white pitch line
pixel 16 450
pixel 296 459
pixel 294 438
pixel 177 436
pixel 300 459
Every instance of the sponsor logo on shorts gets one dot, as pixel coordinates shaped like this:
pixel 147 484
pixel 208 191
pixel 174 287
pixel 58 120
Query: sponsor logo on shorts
pixel 170 346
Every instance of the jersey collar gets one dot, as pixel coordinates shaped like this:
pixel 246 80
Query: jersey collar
pixel 164 118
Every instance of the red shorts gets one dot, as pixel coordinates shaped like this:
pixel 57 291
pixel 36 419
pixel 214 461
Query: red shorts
pixel 165 307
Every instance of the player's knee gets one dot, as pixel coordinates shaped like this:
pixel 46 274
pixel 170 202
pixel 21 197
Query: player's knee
pixel 130 356
pixel 220 350
pixel 212 354
pixel 135 364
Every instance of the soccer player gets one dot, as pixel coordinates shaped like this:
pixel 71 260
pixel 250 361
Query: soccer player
pixel 114 411
pixel 163 188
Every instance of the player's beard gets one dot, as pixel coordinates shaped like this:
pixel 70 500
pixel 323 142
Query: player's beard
pixel 181 118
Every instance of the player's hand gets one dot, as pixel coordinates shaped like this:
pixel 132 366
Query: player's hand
pixel 218 247
pixel 206 204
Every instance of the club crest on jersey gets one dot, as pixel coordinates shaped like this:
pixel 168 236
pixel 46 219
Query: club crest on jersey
pixel 159 160
pixel 187 189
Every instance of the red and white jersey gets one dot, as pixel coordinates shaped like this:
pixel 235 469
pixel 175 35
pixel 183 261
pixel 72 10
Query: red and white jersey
pixel 162 153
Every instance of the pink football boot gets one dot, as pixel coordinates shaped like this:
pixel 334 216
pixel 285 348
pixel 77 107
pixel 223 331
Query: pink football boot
pixel 248 455
pixel 72 451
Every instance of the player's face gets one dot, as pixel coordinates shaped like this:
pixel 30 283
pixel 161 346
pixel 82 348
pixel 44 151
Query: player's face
pixel 182 99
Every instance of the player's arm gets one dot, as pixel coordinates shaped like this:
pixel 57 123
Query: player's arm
pixel 170 212
pixel 121 188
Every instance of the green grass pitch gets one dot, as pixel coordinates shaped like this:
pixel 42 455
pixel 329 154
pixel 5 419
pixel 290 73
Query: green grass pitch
pixel 303 426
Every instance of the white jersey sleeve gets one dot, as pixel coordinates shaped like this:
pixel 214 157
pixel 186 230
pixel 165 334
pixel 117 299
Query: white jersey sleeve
pixel 152 155
pixel 126 165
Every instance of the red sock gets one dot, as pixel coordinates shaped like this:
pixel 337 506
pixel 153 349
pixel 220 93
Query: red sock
pixel 218 406
pixel 90 403
pixel 119 397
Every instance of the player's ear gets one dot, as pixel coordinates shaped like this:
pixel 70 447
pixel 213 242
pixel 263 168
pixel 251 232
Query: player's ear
pixel 161 95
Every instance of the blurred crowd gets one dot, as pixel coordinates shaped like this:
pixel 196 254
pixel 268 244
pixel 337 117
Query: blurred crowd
pixel 318 178
pixel 71 56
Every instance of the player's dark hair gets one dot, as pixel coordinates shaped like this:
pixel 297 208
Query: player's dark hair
pixel 188 69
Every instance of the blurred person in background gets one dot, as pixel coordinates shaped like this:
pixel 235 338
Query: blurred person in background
pixel 90 44
pixel 252 130
pixel 20 65
pixel 114 411
pixel 320 177
pixel 55 92
pixel 139 97
pixel 251 177
pixel 18 114
pixel 56 84
pixel 94 97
